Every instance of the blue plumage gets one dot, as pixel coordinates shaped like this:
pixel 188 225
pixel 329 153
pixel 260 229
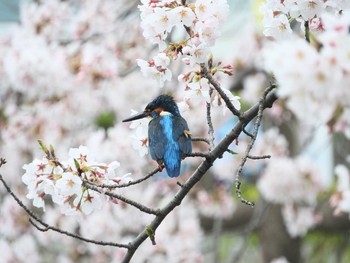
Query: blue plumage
pixel 168 133
pixel 172 153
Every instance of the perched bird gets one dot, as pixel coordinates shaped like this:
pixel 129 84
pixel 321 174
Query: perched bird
pixel 168 134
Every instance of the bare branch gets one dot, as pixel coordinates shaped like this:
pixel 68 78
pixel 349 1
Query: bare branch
pixel 149 175
pixel 307 31
pixel 197 139
pixel 248 133
pixel 258 157
pixel 137 205
pixel 217 87
pixel 2 161
pixel 210 123
pixel 45 227
pixel 197 154
pixel 250 146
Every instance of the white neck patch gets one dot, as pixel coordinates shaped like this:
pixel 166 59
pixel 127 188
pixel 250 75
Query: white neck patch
pixel 165 113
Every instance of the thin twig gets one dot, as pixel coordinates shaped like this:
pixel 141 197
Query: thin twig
pixel 210 123
pixel 125 184
pixel 248 133
pixel 2 161
pixel 197 154
pixel 34 218
pixel 307 31
pixel 198 139
pixel 250 146
pixel 217 87
pixel 137 205
pixel 252 157
pixel 47 227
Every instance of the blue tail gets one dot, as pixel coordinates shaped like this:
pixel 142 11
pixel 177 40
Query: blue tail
pixel 172 160
pixel 173 171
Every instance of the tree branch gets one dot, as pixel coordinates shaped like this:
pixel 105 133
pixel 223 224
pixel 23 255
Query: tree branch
pixel 210 123
pixel 197 154
pixel 307 31
pixel 2 161
pixel 258 157
pixel 33 218
pixel 137 205
pixel 149 175
pixel 217 87
pixel 198 139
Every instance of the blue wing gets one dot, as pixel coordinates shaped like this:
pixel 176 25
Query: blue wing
pixel 181 134
pixel 156 139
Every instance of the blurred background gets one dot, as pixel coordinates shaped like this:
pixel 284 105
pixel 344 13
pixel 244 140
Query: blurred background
pixel 68 76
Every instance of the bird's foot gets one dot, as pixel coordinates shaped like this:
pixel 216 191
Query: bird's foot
pixel 160 165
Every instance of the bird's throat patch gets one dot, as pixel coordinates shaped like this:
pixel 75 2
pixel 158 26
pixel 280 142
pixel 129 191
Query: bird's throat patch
pixel 164 113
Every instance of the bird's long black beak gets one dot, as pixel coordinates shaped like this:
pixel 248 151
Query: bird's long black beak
pixel 137 116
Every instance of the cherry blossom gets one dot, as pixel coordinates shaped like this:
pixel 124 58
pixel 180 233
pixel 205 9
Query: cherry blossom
pixel 156 69
pixel 218 101
pixel 140 140
pixel 278 28
pixel 299 219
pixel 140 134
pixel 63 180
pixel 309 94
pixel 25 248
pixel 218 204
pixel 298 184
pixel 277 13
pixel 201 22
pixel 198 91
pixel 186 15
pixel 340 200
pixel 69 184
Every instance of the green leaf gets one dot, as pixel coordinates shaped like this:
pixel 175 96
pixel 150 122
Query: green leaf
pixel 149 232
pixel 106 119
pixel 231 152
pixel 43 147
pixel 77 165
pixel 52 150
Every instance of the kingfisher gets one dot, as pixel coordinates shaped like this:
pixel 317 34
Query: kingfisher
pixel 169 137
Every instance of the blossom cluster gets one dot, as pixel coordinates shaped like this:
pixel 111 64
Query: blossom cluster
pixel 314 78
pixel 64 181
pixel 218 204
pixel 198 89
pixel 340 200
pixel 279 14
pixel 197 25
pixel 294 184
pixel 140 134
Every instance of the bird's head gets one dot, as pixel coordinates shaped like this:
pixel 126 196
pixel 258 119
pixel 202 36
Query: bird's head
pixel 162 105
